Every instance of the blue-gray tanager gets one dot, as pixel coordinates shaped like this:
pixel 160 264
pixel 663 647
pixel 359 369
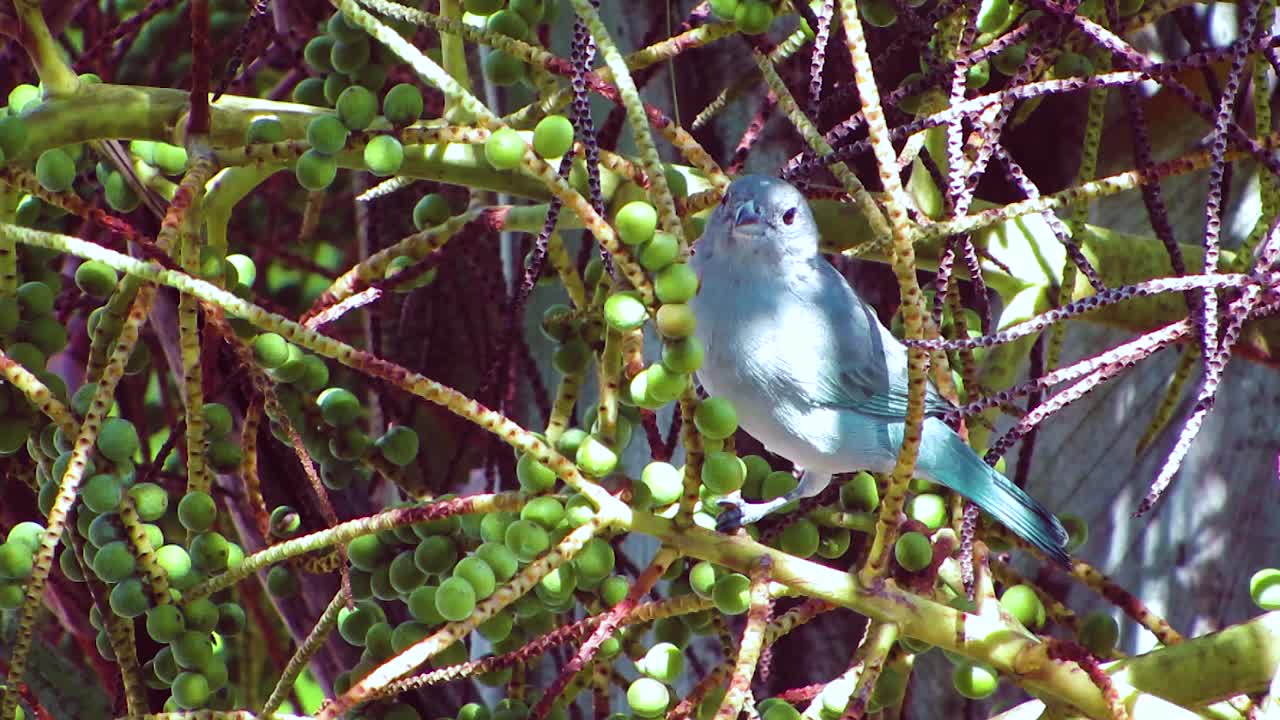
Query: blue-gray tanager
pixel 813 373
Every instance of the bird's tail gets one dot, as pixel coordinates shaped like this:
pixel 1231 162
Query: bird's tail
pixel 946 459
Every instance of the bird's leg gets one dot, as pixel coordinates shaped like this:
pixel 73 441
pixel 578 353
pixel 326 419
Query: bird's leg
pixel 738 512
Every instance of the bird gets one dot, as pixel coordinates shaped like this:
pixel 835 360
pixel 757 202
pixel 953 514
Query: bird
pixel 813 373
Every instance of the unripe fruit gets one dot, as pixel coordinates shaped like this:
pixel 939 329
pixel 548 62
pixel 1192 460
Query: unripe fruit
pixel 327 134
pixel 553 136
pixel 716 418
pixel 1022 602
pixel 55 170
pixel 504 149
pixel 357 107
pixel 975 680
pixel 384 155
pixel 732 594
pixel 315 170
pixel 431 210
pixel 624 312
pixel 648 697
pixel 636 222
pixel 1099 633
pixel 677 283
pixel 753 17
pixel 402 105
pixel 913 551
pixel 455 599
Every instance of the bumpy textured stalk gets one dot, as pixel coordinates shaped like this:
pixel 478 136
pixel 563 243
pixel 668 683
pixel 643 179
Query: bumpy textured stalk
pixel 751 644
pixel 38 394
pixel 693 455
pixel 1170 400
pixel 871 656
pixel 567 270
pixel 904 268
pixel 68 489
pixel 145 554
pixel 661 192
pixel 120 632
pixel 198 475
pixel 805 127
pixel 310 646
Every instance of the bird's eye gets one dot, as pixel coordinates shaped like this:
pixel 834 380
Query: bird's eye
pixel 789 216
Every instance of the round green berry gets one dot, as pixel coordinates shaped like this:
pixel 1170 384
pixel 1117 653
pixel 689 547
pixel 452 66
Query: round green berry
pixel 165 623
pixel 339 406
pixel 660 251
pixel 546 511
pixel 96 278
pixel 36 298
pixel 500 558
pixel 432 209
pixel 975 680
pixel 860 494
pixel 677 283
pixel 16 560
pixel 684 355
pixel 315 170
pixel 676 321
pixel 102 493
pixel 504 149
pixel 526 539
pixel 398 445
pixel 509 23
pixel 384 155
pixel 151 500
pixel 723 472
pixel 800 538
pixel 190 690
pixel 348 57
pixel 929 509
pixel 316 52
pixel 636 222
pixel 1022 602
pixel 648 697
pixel 534 477
pixel 595 457
pixel 455 599
pixel 1099 633
pixel 716 418
pixel 270 350
pixel 476 571
pixel 913 551
pixel 55 170
pixel 663 662
pixel 128 599
pixel 664 483
pixel 210 552
pixel 595 561
pixel 553 136
pixel 624 311
pixel 732 594
pixel 327 134
pixel 120 194
pixel 197 511
pixel 309 92
pixel 435 554
pixel 357 106
pixel 724 9
pixel 402 105
pixel 118 439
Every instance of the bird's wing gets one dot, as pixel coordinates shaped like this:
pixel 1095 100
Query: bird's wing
pixel 870 372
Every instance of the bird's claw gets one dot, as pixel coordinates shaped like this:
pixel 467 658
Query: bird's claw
pixel 730 518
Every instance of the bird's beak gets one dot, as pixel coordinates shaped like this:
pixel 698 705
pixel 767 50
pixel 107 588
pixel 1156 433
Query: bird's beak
pixel 748 213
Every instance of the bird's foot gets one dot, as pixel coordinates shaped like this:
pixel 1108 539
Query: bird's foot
pixel 737 512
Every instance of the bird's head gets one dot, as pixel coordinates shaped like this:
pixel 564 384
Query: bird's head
pixel 761 218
